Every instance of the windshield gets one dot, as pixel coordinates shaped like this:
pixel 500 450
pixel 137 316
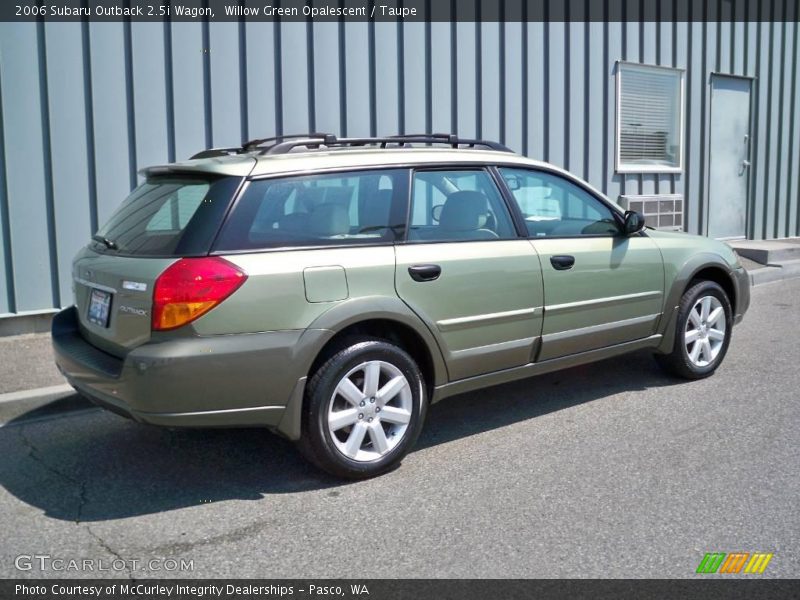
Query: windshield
pixel 168 216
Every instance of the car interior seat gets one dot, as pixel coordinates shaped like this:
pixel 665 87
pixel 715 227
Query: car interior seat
pixel 374 212
pixel 465 215
pixel 329 220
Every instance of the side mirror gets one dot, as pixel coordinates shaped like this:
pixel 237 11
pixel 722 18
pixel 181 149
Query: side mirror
pixel 436 212
pixel 634 222
pixel 513 183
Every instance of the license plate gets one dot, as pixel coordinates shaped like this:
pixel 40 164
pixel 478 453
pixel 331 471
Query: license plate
pixel 99 307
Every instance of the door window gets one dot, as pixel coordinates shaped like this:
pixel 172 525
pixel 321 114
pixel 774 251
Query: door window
pixel 459 205
pixel 555 207
pixel 360 207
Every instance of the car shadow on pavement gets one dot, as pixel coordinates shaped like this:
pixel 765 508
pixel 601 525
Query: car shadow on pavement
pixel 491 408
pixel 96 466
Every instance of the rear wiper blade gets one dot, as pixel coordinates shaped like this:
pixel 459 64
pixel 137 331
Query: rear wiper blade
pixel 110 244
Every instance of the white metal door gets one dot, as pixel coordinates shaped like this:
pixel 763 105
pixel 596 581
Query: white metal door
pixel 729 157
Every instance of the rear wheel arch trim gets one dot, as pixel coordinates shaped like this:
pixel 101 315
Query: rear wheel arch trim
pixel 338 319
pixel 365 310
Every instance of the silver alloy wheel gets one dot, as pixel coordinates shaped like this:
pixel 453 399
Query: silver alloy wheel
pixel 705 329
pixel 370 410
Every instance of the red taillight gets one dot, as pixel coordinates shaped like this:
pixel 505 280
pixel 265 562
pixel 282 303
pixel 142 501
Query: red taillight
pixel 190 288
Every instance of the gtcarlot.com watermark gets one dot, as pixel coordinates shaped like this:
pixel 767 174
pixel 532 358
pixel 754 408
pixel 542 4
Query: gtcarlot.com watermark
pixel 47 562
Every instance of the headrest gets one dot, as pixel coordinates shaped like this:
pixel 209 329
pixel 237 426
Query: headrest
pixel 464 211
pixel 375 211
pixel 307 198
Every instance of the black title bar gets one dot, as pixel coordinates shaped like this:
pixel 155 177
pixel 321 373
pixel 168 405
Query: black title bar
pixel 385 589
pixel 402 10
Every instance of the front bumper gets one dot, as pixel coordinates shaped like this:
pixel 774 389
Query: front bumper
pixel 228 380
pixel 741 279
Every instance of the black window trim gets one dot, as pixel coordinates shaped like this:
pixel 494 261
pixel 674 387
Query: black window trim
pixel 411 168
pixel 516 214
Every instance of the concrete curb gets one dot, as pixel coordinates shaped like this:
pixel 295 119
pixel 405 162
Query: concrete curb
pixel 26 406
pixel 775 272
pixel 52 392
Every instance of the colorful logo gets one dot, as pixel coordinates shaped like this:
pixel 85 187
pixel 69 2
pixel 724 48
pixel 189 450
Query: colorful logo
pixel 720 562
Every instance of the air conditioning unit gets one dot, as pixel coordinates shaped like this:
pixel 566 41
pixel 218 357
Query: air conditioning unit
pixel 662 211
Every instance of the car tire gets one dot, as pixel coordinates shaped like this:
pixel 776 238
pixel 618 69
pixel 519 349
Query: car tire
pixel 363 410
pixel 702 334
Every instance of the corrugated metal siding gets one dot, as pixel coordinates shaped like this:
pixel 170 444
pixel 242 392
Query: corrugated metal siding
pixel 83 106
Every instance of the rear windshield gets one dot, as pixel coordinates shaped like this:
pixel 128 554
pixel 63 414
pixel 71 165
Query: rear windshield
pixel 168 216
pixel 356 207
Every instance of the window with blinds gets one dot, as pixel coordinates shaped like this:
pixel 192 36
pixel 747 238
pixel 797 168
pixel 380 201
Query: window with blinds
pixel 649 118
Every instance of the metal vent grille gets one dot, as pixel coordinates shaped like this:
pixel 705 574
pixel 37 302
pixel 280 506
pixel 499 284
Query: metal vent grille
pixel 663 211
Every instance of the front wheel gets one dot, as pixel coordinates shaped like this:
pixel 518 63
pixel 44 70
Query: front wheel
pixel 705 321
pixel 363 410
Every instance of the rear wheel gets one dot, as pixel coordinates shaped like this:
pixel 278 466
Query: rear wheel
pixel 703 332
pixel 363 410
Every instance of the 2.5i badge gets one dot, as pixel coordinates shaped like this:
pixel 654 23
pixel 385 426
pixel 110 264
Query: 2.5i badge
pixel 135 286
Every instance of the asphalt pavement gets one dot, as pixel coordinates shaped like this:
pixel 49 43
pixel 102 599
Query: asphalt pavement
pixel 27 363
pixel 606 470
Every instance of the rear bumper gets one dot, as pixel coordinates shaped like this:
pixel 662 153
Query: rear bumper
pixel 231 380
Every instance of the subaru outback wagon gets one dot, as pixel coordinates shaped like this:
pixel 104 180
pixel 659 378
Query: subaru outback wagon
pixel 331 289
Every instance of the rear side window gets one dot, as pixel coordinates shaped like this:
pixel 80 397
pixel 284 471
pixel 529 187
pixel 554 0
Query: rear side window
pixel 169 216
pixel 177 211
pixel 318 210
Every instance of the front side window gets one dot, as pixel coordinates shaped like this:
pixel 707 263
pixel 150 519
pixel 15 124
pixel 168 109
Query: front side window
pixel 555 207
pixel 649 119
pixel 334 209
pixel 457 206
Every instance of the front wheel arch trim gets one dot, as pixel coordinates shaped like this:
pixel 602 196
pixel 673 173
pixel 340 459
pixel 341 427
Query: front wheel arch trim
pixel 688 273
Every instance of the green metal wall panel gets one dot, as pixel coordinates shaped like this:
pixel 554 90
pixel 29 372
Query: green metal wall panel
pixel 84 105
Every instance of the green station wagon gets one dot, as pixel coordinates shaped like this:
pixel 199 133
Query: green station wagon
pixel 331 289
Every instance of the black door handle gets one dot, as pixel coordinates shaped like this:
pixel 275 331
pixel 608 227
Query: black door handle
pixel 425 272
pixel 562 262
